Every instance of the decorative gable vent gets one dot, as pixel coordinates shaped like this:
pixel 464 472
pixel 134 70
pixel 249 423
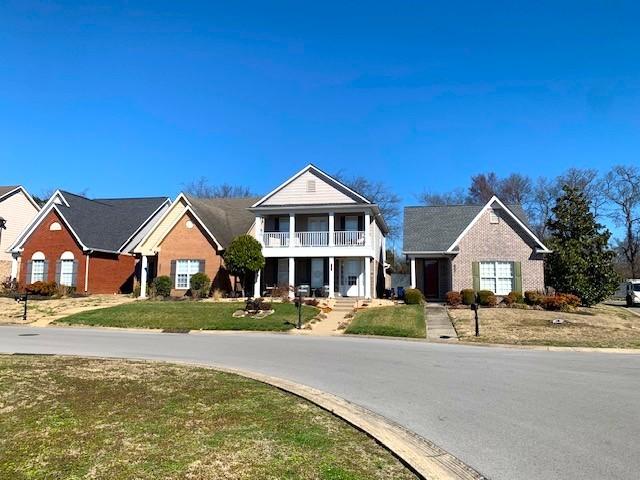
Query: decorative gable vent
pixel 311 186
pixel 494 217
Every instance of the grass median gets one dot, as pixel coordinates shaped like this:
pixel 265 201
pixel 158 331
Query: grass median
pixel 392 321
pixel 189 315
pixel 112 419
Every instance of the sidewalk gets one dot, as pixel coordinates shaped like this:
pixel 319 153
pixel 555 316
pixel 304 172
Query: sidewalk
pixel 439 326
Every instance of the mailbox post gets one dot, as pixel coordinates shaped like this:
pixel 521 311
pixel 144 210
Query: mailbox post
pixel 475 307
pixel 299 326
pixel 24 299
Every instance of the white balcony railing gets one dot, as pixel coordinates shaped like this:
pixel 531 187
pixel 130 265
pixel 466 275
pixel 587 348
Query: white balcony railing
pixel 351 238
pixel 354 238
pixel 276 239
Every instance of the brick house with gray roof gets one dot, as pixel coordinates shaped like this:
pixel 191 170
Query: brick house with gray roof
pixel 484 247
pixel 86 243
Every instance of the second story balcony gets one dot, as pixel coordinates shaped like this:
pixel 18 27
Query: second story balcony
pixel 346 238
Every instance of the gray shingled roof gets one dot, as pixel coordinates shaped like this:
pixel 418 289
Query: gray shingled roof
pixel 435 228
pixel 106 223
pixel 226 218
pixel 6 189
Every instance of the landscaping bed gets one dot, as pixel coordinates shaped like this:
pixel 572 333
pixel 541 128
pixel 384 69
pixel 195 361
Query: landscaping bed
pixel 112 419
pixel 393 321
pixel 598 326
pixel 191 315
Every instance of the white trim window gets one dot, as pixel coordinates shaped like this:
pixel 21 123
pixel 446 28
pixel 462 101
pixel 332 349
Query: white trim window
pixel 185 269
pixel 497 277
pixel 37 267
pixel 66 269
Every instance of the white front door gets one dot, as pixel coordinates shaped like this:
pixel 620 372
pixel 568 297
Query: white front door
pixel 317 272
pixel 351 277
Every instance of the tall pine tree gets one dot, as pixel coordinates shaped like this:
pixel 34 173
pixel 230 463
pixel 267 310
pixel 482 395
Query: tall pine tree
pixel 581 262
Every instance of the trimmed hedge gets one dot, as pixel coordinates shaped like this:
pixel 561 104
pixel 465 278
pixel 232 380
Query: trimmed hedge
pixel 453 298
pixel 468 296
pixel 412 296
pixel 162 285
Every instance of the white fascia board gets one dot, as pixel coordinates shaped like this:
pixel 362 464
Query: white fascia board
pixel 306 169
pixel 317 252
pixel 143 224
pixel 16 246
pixel 495 199
pixel 175 222
pixel 20 188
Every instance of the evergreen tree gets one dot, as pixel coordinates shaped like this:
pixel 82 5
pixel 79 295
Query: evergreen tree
pixel 581 262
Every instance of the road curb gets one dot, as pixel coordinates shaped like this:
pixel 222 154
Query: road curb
pixel 422 456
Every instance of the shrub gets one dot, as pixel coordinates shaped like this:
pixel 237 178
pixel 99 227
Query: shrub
pixel 46 289
pixel 265 306
pixel 513 298
pixel 468 296
pixel 486 298
pixel 200 284
pixel 453 298
pixel 570 299
pixel 533 297
pixel 162 285
pixel 312 302
pixel 281 291
pixel 412 296
pixel 554 302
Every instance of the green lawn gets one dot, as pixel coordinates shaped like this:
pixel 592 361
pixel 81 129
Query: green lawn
pixel 70 418
pixel 395 321
pixel 189 315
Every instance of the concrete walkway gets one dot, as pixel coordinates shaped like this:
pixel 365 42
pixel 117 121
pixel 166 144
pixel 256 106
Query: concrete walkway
pixel 439 326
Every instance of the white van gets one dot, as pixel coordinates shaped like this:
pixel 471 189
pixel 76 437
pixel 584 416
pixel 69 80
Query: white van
pixel 633 292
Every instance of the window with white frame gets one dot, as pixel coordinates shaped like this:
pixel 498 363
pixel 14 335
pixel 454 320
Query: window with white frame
pixel 37 267
pixel 497 277
pixel 185 269
pixel 66 269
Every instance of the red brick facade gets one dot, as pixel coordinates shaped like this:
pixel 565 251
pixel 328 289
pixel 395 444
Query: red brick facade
pixel 183 243
pixel 108 273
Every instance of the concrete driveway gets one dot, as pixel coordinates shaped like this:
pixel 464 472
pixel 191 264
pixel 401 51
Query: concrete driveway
pixel 511 414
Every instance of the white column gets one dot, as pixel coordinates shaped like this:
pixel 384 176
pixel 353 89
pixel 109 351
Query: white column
pixel 256 289
pixel 292 232
pixel 367 229
pixel 413 272
pixel 367 277
pixel 86 273
pixel 332 277
pixel 259 231
pixel 292 276
pixel 332 228
pixel 14 268
pixel 143 276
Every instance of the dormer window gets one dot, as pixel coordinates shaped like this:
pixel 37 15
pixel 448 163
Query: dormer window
pixel 311 186
pixel 494 217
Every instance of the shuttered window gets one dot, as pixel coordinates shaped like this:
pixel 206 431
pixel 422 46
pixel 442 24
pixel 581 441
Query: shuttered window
pixel 497 277
pixel 185 269
pixel 37 271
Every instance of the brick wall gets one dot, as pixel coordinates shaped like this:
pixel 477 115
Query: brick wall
pixel 183 243
pixel 504 241
pixel 108 273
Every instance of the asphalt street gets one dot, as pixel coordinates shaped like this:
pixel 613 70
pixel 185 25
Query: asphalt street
pixel 509 413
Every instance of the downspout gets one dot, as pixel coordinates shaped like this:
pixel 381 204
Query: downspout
pixel 86 274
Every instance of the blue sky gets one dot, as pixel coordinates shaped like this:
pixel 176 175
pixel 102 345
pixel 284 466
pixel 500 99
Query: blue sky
pixel 138 98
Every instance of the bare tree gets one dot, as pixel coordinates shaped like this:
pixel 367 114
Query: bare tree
pixel 455 197
pixel 201 188
pixel 483 187
pixel 516 189
pixel 622 190
pixel 588 181
pixel 379 193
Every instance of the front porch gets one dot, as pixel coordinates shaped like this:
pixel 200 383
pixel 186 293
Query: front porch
pixel 432 276
pixel 317 276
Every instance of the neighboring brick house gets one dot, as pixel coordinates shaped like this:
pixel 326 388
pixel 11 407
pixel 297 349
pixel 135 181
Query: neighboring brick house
pixel 86 243
pixel 190 238
pixel 17 209
pixel 488 247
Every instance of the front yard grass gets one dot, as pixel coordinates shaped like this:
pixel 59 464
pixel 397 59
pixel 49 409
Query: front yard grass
pixel 393 321
pixel 189 315
pixel 77 418
pixel 599 326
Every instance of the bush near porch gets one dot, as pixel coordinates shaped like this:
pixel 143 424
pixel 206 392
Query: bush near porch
pixel 190 315
pixel 393 321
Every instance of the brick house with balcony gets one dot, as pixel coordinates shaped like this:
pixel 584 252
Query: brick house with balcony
pixel 86 243
pixel 320 236
pixel 191 237
pixel 483 247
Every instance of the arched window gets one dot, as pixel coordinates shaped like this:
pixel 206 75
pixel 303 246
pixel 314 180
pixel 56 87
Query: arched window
pixel 66 269
pixel 38 268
